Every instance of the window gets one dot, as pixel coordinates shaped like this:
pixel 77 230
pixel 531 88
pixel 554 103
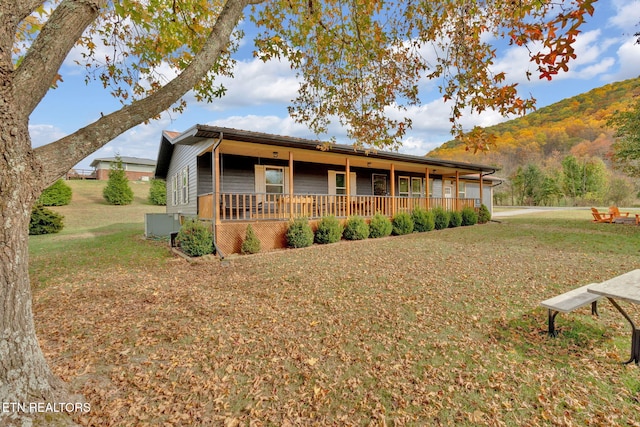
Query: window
pixel 447 192
pixel 338 183
pixel 462 190
pixel 174 190
pixel 185 185
pixel 271 179
pixel 416 187
pixel 341 183
pixel 403 186
pixel 274 180
pixel 379 184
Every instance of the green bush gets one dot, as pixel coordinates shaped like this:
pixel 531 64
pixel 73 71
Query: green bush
pixel 195 238
pixel 440 218
pixel 402 224
pixel 422 220
pixel 118 191
pixel 59 194
pixel 356 229
pixel 251 243
pixel 158 192
pixel 44 221
pixel 380 226
pixel 484 215
pixel 299 234
pixel 455 219
pixel 469 216
pixel 329 230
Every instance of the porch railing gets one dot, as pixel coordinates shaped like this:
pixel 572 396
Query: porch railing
pixel 252 206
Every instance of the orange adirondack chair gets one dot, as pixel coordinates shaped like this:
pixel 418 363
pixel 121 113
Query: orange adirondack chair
pixel 601 217
pixel 615 212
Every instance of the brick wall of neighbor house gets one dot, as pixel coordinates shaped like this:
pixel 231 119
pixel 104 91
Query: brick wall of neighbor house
pixel 103 174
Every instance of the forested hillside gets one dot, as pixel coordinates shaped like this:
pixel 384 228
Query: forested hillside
pixel 546 144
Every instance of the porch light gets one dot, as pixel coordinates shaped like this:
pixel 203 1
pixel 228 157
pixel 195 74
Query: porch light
pixel 275 154
pixel 368 164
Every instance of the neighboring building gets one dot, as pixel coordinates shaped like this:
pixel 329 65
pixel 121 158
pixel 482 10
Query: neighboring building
pixel 234 178
pixel 135 168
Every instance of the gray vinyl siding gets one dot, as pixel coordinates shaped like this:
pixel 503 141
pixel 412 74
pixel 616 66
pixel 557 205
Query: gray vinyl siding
pixel 436 188
pixel 473 192
pixel 205 175
pixel 185 155
pixel 238 175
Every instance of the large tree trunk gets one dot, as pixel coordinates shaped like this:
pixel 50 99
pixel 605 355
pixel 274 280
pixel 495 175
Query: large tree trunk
pixel 23 369
pixel 25 377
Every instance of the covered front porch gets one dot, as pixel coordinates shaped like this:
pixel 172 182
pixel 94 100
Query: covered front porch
pixel 278 182
pixel 265 206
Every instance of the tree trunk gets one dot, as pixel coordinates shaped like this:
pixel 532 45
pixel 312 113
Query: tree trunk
pixel 24 373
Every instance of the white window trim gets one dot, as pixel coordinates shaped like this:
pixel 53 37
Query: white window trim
pixel 261 178
pixel 332 182
pixel 420 192
pixel 403 193
pixel 462 190
pixel 174 190
pixel 184 186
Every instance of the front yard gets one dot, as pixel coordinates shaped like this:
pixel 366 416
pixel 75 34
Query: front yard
pixel 440 328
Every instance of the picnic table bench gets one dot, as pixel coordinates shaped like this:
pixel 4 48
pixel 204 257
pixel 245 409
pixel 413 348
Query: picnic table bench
pixel 569 301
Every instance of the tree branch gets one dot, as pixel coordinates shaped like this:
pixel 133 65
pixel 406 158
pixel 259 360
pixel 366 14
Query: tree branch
pixel 60 156
pixel 41 64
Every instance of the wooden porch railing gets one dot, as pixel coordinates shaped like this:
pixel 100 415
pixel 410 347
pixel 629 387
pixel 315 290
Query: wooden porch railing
pixel 252 206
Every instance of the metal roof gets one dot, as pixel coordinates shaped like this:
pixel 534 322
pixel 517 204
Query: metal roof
pixel 125 160
pixel 200 132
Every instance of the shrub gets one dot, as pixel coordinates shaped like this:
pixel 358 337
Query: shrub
pixel 299 234
pixel 158 192
pixel 402 224
pixel 195 238
pixel 329 230
pixel 118 191
pixel 484 215
pixel 44 221
pixel 356 229
pixel 251 243
pixel 440 218
pixel 380 226
pixel 469 216
pixel 59 194
pixel 455 219
pixel 422 220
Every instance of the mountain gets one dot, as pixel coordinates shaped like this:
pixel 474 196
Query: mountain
pixel 574 126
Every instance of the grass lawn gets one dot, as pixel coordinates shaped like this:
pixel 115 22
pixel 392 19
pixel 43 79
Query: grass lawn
pixel 439 328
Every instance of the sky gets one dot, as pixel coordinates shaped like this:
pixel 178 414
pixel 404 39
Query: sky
pixel 258 95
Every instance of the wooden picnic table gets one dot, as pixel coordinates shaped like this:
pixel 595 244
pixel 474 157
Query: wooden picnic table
pixel 625 287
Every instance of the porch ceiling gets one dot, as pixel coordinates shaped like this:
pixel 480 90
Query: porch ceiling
pixel 358 159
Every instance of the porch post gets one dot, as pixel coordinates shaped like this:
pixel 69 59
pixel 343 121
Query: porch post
pixel 392 172
pixel 347 179
pixel 481 198
pixel 457 190
pixel 426 187
pixel 216 189
pixel 290 185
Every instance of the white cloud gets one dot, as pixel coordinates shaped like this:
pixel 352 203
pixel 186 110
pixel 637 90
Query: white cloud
pixel 42 134
pixel 626 16
pixel 629 62
pixel 256 82
pixel 268 124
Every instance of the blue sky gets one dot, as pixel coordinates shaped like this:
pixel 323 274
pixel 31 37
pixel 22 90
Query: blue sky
pixel 258 96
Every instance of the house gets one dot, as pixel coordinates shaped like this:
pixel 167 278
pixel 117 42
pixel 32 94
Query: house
pixel 234 177
pixel 135 168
